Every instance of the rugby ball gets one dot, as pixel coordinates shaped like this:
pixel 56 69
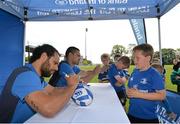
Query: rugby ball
pixel 82 95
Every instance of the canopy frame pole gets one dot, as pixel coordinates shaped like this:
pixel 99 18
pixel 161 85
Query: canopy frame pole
pixel 159 37
pixel 145 35
pixel 24 43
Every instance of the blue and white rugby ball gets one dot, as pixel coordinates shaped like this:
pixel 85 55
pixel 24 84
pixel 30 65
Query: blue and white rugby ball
pixel 82 95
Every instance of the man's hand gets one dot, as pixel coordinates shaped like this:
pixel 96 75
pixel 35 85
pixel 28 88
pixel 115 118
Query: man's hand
pixel 72 80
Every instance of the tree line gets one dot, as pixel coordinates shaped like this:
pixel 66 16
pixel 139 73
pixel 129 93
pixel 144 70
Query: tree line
pixel 168 54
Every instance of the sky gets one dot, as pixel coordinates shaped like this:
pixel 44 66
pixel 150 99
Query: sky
pixel 103 35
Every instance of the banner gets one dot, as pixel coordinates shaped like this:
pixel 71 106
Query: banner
pixel 76 10
pixel 139 30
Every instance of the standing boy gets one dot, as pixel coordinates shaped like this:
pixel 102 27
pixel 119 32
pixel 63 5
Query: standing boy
pixel 165 102
pixel 103 75
pixel 118 78
pixel 145 87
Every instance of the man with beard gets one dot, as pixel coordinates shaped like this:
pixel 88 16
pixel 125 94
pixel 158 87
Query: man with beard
pixel 32 93
pixel 70 67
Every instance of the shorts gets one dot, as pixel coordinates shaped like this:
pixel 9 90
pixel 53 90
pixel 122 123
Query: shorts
pixel 122 97
pixel 140 120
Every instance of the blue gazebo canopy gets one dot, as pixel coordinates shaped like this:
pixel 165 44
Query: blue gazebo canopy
pixel 14 14
pixel 76 10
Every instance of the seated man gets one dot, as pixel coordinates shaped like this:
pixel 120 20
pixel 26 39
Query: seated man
pixel 69 67
pixel 27 93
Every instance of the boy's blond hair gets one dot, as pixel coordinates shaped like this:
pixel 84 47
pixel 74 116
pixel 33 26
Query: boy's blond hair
pixel 105 56
pixel 158 67
pixel 156 61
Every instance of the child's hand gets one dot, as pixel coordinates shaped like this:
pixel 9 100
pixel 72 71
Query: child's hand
pixel 132 93
pixel 118 84
pixel 97 69
pixel 177 77
pixel 121 81
pixel 172 115
pixel 104 68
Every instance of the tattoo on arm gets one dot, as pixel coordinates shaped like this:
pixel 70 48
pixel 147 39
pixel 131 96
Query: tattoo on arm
pixel 32 104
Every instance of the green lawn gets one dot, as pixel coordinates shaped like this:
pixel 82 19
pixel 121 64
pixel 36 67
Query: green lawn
pixel 168 68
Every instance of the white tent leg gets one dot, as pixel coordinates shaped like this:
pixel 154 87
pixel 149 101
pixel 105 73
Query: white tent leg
pixel 159 34
pixel 24 43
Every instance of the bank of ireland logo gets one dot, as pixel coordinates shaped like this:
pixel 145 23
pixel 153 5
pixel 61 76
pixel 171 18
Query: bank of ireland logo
pixel 143 81
pixel 61 2
pixel 131 79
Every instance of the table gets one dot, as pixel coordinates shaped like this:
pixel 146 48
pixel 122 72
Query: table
pixel 105 108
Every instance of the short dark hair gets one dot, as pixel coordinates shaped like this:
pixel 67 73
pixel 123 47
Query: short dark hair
pixel 48 49
pixel 176 67
pixel 116 57
pixel 125 60
pixel 72 50
pixel 147 49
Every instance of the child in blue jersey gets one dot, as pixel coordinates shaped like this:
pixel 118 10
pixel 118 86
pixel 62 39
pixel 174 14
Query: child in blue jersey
pixel 103 75
pixel 165 102
pixel 118 78
pixel 145 87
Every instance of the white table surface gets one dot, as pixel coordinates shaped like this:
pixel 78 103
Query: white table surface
pixel 105 108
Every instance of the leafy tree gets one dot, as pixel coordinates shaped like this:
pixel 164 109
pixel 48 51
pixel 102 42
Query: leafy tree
pixel 86 62
pixel 156 55
pixel 178 53
pixel 26 59
pixel 168 55
pixel 178 49
pixel 118 49
pixel 129 50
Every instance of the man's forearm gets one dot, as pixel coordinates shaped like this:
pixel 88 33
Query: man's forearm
pixel 59 98
pixel 49 103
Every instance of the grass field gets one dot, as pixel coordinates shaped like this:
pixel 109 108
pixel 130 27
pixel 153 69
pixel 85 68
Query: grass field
pixel 168 68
